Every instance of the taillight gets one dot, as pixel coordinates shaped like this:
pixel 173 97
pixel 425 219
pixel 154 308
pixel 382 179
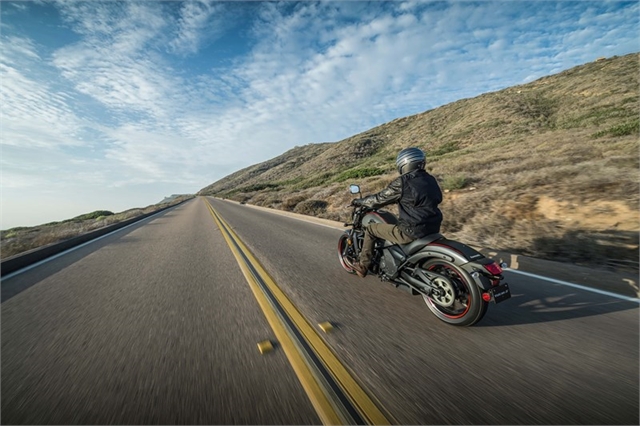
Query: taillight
pixel 493 268
pixel 486 297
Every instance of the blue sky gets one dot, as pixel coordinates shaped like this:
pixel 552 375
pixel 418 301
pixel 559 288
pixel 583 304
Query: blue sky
pixel 114 105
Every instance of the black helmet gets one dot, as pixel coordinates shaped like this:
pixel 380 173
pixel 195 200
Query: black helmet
pixel 410 159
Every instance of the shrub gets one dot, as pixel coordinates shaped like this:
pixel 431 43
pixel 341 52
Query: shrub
pixel 454 182
pixel 620 130
pixel 266 201
pixel 290 203
pixel 534 106
pixel 445 148
pixel 359 173
pixel 93 215
pixel 311 207
pixel 258 187
pixel 312 182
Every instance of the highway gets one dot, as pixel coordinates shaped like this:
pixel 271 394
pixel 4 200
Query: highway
pixel 159 323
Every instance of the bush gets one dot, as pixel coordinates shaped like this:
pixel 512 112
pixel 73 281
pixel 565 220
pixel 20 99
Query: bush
pixel 290 203
pixel 311 207
pixel 621 130
pixel 359 173
pixel 445 149
pixel 454 182
pixel 311 182
pixel 535 107
pixel 93 215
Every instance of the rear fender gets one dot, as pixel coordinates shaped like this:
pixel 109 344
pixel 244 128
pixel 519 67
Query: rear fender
pixel 460 255
pixel 432 251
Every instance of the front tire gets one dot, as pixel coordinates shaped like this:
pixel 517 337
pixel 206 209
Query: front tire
pixel 468 307
pixel 346 254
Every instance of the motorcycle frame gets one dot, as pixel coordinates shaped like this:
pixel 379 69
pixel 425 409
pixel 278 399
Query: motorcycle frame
pixel 466 258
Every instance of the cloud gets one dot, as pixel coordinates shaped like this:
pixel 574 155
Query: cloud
pixel 195 24
pixel 189 92
pixel 34 113
pixel 115 63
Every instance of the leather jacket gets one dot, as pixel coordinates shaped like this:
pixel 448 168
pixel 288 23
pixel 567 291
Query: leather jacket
pixel 418 195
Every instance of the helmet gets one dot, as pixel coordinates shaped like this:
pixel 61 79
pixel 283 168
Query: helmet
pixel 410 159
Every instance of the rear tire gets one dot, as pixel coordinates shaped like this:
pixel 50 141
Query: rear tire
pixel 346 255
pixel 468 307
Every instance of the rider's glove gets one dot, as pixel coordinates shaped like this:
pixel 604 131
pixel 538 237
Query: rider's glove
pixel 356 202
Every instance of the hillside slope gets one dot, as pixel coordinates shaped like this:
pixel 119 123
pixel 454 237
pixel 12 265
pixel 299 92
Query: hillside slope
pixel 547 169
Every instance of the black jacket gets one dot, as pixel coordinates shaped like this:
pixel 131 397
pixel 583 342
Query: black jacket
pixel 418 196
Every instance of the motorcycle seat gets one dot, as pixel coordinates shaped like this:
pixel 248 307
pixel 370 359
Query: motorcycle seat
pixel 416 245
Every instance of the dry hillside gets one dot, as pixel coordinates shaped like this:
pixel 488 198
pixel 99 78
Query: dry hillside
pixel 548 169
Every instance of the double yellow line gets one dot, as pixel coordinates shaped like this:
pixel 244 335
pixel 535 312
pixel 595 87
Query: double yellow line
pixel 334 393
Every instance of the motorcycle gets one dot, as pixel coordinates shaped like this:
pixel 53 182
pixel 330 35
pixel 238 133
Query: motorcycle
pixel 456 282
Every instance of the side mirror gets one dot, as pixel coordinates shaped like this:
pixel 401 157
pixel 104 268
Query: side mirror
pixel 354 189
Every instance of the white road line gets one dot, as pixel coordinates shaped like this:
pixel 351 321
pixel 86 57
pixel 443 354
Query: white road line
pixel 581 287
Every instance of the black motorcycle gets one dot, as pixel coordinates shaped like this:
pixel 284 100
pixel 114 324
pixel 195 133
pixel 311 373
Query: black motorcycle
pixel 456 282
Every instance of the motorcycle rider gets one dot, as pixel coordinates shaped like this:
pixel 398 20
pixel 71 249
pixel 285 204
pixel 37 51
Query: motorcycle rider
pixel 417 194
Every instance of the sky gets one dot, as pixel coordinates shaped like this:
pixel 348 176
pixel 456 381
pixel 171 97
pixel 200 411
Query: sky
pixel 114 105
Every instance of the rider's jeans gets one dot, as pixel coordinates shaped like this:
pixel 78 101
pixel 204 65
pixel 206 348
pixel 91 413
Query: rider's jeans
pixel 380 230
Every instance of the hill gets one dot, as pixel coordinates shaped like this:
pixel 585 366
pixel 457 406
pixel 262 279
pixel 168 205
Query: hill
pixel 547 169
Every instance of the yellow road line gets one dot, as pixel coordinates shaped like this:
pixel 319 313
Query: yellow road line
pixel 323 403
pixel 318 398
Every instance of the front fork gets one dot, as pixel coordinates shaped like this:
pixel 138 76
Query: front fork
pixel 354 240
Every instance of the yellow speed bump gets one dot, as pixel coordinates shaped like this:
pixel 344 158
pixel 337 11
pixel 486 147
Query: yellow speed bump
pixel 326 326
pixel 265 347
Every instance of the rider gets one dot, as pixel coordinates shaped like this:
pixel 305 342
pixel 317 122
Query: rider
pixel 417 194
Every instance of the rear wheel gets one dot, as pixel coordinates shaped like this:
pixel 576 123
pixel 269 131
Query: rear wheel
pixel 346 254
pixel 460 295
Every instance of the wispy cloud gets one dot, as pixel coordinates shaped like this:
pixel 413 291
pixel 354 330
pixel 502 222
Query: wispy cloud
pixel 187 92
pixel 198 21
pixel 35 112
pixel 116 63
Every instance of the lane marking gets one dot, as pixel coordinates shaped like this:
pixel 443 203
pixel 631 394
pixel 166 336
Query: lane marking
pixel 578 286
pixel 334 393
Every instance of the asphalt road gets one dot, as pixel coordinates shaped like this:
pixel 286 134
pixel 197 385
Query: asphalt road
pixel 156 324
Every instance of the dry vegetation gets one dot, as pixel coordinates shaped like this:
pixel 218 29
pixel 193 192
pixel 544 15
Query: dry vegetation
pixel 18 240
pixel 547 169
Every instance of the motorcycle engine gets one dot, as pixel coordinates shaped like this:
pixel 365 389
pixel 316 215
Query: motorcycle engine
pixel 388 264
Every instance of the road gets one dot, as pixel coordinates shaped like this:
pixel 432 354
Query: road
pixel 158 324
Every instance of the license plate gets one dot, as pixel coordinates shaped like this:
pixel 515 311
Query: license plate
pixel 500 293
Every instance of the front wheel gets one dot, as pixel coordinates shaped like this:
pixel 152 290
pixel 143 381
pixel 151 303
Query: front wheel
pixel 346 253
pixel 463 303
